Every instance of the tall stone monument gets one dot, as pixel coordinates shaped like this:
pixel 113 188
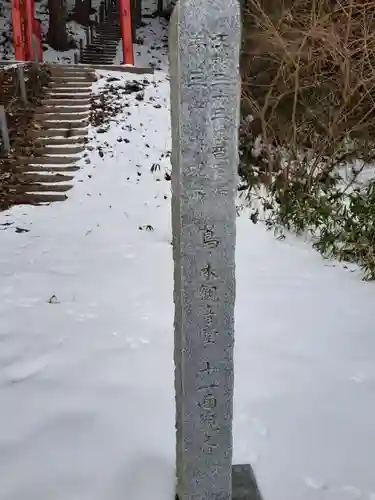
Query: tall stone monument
pixel 204 50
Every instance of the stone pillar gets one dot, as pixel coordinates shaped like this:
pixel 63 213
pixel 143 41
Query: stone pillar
pixel 204 47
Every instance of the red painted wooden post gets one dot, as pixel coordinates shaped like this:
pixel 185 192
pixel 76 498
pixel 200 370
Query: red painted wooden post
pixel 19 52
pixel 28 20
pixel 126 32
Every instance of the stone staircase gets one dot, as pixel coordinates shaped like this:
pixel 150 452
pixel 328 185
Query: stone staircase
pixel 103 48
pixel 60 135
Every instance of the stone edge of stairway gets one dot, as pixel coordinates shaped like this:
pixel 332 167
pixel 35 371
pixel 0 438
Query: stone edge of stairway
pixel 124 68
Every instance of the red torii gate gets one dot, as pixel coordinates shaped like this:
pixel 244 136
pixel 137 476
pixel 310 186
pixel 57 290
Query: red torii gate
pixel 26 32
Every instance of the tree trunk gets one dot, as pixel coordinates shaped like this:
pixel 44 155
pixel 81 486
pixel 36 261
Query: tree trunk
pixel 57 36
pixel 82 11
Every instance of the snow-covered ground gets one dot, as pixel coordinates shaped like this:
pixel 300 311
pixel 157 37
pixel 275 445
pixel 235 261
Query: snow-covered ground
pixel 86 338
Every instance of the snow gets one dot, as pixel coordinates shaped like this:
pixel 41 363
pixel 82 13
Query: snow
pixel 86 336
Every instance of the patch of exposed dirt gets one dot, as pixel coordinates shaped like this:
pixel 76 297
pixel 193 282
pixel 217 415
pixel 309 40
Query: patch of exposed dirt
pixel 108 104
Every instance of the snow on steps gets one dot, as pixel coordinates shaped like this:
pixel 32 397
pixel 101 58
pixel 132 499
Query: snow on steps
pixel 60 141
pixel 103 47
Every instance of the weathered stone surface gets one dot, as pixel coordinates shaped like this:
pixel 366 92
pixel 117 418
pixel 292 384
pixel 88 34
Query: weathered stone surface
pixel 204 44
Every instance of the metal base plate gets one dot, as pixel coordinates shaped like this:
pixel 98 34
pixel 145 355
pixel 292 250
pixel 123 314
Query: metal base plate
pixel 244 484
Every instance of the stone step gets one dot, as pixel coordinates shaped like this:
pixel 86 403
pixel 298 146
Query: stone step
pixel 92 51
pixel 68 69
pixel 97 57
pixel 66 114
pixel 68 96
pixel 106 39
pixel 80 94
pixel 112 41
pixel 99 49
pixel 64 124
pixel 57 69
pixel 38 188
pixel 107 36
pixel 103 44
pixel 112 22
pixel 70 80
pixel 70 87
pixel 64 111
pixel 44 160
pixel 60 132
pixel 73 77
pixel 61 92
pixel 92 60
pixel 115 33
pixel 115 67
pixel 70 91
pixel 66 103
pixel 32 177
pixel 36 199
pixel 61 141
pixel 79 66
pixel 108 29
pixel 56 120
pixel 110 25
pixel 112 18
pixel 73 74
pixel 96 53
pixel 126 68
pixel 47 168
pixel 96 60
pixel 60 150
